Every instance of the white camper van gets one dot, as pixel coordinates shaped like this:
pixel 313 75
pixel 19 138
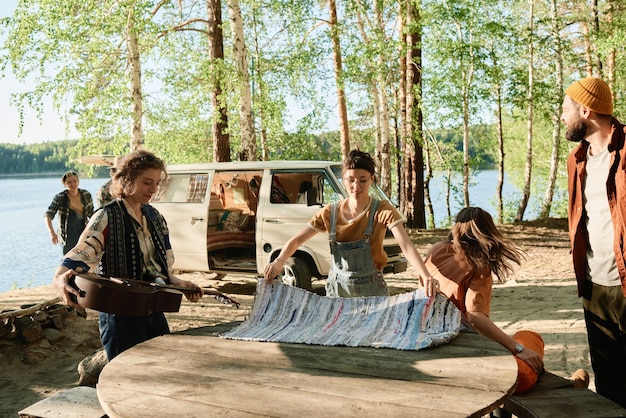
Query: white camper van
pixel 235 217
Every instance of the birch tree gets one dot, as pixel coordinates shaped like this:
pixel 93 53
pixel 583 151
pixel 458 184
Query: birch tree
pixel 248 138
pixel 555 37
pixel 134 62
pixel 376 41
pixel 90 68
pixel 529 133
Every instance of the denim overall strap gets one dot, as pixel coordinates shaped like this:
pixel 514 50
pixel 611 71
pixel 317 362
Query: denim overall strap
pixel 370 223
pixel 332 234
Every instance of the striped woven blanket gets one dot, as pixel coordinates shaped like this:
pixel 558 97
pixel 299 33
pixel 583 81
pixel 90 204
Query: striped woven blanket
pixel 408 321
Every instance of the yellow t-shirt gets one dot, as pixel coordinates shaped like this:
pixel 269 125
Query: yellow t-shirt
pixel 387 216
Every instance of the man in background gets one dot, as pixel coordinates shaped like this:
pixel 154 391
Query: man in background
pixel 103 196
pixel 597 225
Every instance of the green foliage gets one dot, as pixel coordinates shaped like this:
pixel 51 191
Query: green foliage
pixel 449 143
pixel 77 53
pixel 47 157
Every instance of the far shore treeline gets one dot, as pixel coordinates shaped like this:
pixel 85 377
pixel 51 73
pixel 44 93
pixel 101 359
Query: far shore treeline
pixel 42 159
pixel 60 156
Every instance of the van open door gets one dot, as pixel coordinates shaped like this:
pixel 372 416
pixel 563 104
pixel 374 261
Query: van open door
pixel 183 201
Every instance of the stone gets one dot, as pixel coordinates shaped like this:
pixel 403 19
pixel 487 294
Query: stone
pixel 32 333
pixel 90 367
pixel 44 344
pixel 57 310
pixel 33 356
pixel 52 335
pixel 6 326
pixel 82 312
pixel 57 321
pixel 41 316
pixel 24 322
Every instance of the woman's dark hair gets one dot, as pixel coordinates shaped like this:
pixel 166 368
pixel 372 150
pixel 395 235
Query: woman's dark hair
pixel 129 169
pixel 358 159
pixel 475 234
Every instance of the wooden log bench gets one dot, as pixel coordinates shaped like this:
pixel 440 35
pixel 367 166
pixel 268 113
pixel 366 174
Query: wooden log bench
pixel 81 401
pixel 555 397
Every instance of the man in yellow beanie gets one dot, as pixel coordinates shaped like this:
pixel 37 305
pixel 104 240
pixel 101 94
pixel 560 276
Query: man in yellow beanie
pixel 597 223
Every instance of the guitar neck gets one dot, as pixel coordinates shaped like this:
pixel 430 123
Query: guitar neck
pixel 205 290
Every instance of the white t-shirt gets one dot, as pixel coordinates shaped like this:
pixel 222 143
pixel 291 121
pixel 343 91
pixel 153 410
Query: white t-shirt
pixel 602 268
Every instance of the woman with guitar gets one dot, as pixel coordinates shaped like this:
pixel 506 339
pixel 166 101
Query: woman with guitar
pixel 127 239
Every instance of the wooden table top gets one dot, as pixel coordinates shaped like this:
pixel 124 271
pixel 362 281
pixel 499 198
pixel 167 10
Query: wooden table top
pixel 198 376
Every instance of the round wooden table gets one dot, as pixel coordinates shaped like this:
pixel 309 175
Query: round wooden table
pixel 200 376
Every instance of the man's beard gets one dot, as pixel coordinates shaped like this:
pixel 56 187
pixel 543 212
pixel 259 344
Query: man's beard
pixel 577 132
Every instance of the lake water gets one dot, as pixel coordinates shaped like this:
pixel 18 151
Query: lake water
pixel 28 259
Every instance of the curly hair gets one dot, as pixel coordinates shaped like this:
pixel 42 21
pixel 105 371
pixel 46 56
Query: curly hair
pixel 475 235
pixel 130 167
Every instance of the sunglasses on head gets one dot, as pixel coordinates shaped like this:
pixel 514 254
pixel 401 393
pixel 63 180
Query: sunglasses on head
pixel 69 174
pixel 147 159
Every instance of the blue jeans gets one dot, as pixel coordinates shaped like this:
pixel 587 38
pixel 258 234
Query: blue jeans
pixel 119 333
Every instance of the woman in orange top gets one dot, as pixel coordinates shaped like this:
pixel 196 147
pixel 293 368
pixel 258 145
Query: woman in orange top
pixel 464 265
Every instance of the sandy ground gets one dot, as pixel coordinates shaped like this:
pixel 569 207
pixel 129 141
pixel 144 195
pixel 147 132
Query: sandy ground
pixel 540 296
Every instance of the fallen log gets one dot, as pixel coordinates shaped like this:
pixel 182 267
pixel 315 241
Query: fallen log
pixel 29 310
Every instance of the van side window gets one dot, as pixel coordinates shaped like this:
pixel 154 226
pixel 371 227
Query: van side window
pixel 183 188
pixel 279 193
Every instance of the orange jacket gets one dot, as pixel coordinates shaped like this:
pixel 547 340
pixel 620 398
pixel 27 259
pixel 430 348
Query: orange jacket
pixel 616 194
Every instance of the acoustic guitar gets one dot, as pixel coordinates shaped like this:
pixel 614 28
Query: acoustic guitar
pixel 128 297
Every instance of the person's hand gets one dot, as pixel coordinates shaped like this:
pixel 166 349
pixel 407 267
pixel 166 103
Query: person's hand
pixel 196 292
pixel 273 269
pixel 61 283
pixel 532 358
pixel 54 238
pixel 431 286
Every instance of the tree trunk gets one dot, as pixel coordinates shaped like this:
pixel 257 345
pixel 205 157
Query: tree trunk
pixel 377 122
pixel 612 52
pixel 587 42
pixel 556 114
pixel 248 137
pixel 466 171
pixel 467 74
pixel 596 27
pixel 341 95
pixel 221 139
pixel 500 186
pixel 428 203
pixel 383 102
pixel 529 142
pixel 401 128
pixel 380 104
pixel 414 160
pixel 134 64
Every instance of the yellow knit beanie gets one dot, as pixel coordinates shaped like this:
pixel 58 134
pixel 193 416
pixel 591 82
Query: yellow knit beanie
pixel 593 93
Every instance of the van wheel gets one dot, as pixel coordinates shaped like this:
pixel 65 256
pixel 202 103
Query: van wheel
pixel 296 273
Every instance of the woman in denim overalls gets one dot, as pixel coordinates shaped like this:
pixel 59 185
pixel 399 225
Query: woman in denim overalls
pixel 356 228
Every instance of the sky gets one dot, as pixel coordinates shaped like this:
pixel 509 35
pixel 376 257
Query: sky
pixel 49 128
